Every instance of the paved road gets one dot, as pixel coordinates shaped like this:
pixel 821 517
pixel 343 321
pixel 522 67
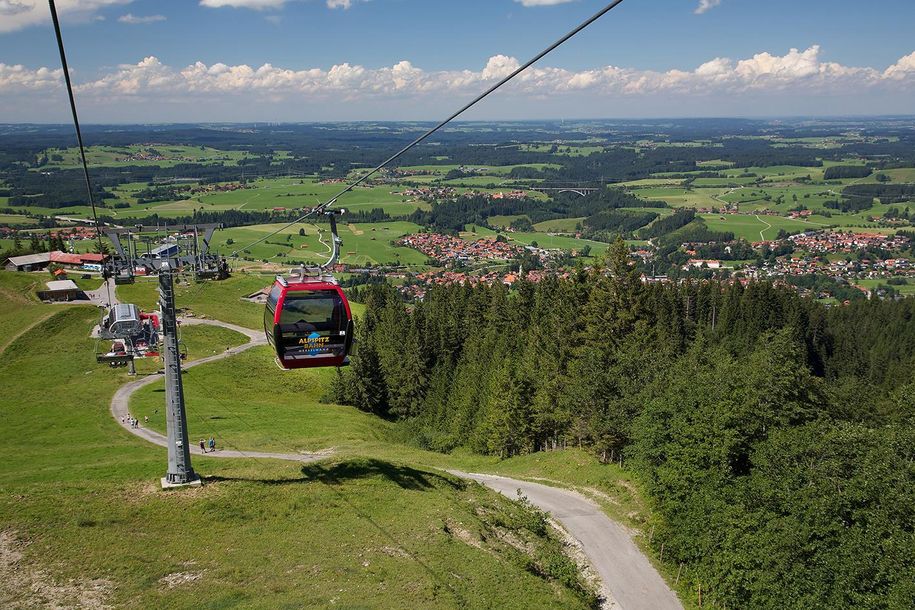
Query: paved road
pixel 120 403
pixel 626 573
pixel 100 296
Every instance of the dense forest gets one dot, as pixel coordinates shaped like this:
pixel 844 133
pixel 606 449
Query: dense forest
pixel 775 438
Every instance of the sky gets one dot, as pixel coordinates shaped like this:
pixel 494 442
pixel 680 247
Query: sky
pixel 155 61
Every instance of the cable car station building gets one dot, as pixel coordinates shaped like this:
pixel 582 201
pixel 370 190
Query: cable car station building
pixel 41 261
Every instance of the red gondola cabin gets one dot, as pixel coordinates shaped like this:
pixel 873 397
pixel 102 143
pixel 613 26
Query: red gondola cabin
pixel 309 323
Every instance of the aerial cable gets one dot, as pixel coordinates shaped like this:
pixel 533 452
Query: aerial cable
pixel 79 137
pixel 322 207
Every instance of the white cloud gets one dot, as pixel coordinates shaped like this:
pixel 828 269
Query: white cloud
pixel 9 8
pixel 499 66
pixel 18 14
pixel 252 4
pixel 542 2
pixel 903 68
pixel 132 19
pixel 706 5
pixel 794 75
pixel 19 79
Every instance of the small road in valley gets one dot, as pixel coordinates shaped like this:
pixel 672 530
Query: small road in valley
pixel 626 574
pixel 768 226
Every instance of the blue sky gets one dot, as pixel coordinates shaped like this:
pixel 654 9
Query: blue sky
pixel 289 60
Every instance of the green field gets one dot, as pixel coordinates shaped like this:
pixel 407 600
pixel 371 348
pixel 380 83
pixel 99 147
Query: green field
pixel 907 289
pixel 756 228
pixel 681 198
pixel 116 156
pixel 503 222
pixel 18 305
pixel 221 300
pixel 569 150
pixel 363 244
pixel 543 240
pixel 560 225
pixel 11 220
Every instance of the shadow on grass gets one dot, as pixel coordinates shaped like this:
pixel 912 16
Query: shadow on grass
pixel 339 473
pixel 333 475
pixel 404 476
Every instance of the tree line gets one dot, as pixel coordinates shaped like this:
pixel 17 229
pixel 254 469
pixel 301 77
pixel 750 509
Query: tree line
pixel 773 436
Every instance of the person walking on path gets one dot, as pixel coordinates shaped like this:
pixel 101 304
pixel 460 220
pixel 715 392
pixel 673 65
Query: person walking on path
pixel 203 446
pixel 212 444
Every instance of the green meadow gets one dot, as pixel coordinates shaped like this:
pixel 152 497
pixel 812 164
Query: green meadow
pixel 118 156
pixel 543 240
pixel 756 228
pixel 363 243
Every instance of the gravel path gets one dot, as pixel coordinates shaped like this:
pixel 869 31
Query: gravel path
pixel 625 571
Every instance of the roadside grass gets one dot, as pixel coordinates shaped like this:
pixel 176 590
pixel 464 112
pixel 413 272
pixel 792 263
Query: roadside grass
pixel 93 282
pixel 199 341
pixel 202 340
pixel 82 507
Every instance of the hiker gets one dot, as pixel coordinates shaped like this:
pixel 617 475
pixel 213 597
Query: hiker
pixel 202 446
pixel 212 444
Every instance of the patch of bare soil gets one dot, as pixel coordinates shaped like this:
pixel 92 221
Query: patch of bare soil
pixel 462 534
pixel 176 579
pixel 26 586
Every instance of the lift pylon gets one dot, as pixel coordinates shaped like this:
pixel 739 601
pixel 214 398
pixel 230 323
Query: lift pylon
pixel 180 472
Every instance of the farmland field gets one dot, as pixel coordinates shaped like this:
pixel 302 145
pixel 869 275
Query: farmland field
pixel 560 225
pixel 543 240
pixel 363 244
pixel 907 289
pixel 755 228
pixel 118 156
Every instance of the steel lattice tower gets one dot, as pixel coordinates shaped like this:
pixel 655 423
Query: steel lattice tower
pixel 180 471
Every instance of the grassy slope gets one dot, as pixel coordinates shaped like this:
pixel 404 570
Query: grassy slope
pixel 17 303
pixel 82 493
